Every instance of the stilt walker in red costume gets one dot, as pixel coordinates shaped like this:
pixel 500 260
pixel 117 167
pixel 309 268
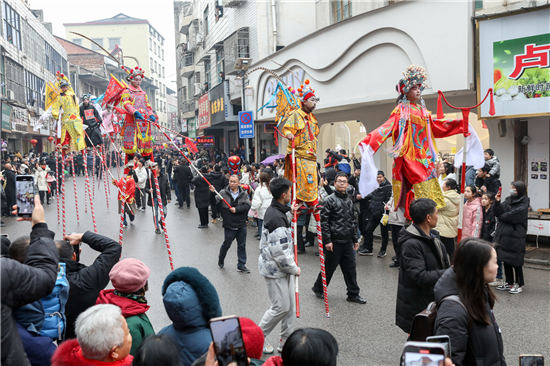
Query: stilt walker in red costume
pixel 414 150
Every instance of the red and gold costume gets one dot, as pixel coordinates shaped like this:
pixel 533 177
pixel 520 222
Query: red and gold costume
pixel 126 195
pixel 414 151
pixel 136 133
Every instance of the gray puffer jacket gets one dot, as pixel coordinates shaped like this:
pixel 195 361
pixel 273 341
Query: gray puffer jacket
pixel 276 250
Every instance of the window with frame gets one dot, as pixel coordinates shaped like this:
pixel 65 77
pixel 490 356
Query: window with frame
pixel 188 59
pixel 341 9
pixel 205 20
pixel 113 42
pixel 243 49
pixel 219 64
pixel 207 79
pixel 11 25
pixel 33 86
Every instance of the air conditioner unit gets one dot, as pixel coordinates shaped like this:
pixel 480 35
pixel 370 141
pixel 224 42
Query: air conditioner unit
pixel 11 94
pixel 198 89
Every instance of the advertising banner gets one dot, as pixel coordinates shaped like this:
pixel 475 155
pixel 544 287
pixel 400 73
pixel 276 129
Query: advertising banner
pixel 217 104
pixel 514 60
pixel 191 128
pixel 204 113
pixel 205 141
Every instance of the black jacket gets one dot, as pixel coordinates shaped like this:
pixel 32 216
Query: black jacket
pixel 9 179
pixel 275 216
pixel 489 223
pixel 511 229
pixel 472 343
pixel 94 120
pixel 164 187
pixel 235 220
pixel 423 261
pixel 338 220
pixel 183 175
pixel 86 282
pixel 378 198
pixel 218 180
pixel 23 284
pixel 202 192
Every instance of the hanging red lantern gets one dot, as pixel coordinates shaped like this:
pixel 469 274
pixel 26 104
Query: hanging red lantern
pixel 34 142
pixel 50 138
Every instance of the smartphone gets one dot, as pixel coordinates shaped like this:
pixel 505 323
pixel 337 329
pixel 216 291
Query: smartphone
pixel 423 353
pixel 531 360
pixel 442 339
pixel 24 188
pixel 228 340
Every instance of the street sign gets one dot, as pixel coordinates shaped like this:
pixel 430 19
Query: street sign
pixel 246 125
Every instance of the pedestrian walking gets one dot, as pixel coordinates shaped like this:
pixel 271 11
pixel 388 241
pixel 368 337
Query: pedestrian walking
pixel 202 197
pixel 261 200
pixel 234 222
pixel 377 200
pixel 447 222
pixel 277 265
pixel 511 234
pixel 218 180
pixel 340 240
pixel 40 179
pixel 140 177
pixel 165 194
pixel 470 323
pixel 183 177
pixel 424 259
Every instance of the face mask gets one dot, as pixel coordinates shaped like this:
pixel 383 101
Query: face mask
pixel 513 192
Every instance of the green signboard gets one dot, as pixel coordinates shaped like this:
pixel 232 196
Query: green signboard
pixel 6 113
pixel 191 128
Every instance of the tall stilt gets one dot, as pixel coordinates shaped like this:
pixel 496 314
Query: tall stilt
pixel 317 216
pixel 63 193
pixel 75 191
pixel 295 229
pixel 103 168
pixel 57 183
pixel 159 200
pixel 93 176
pixel 121 232
pixel 88 190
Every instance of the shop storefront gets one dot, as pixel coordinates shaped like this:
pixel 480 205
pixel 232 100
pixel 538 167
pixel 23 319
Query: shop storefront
pixel 223 120
pixel 514 60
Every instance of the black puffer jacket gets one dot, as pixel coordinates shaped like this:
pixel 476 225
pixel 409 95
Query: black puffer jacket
pixel 423 261
pixel 488 226
pixel 511 229
pixel 242 205
pixel 86 281
pixel 378 198
pixel 218 180
pixel 183 175
pixel 338 220
pixel 202 192
pixel 23 284
pixel 472 343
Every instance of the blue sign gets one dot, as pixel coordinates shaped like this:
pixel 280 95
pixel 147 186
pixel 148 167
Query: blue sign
pixel 246 125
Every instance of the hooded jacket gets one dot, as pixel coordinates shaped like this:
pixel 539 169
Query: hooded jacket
pixel 447 222
pixel 218 180
pixel 489 224
pixel 472 219
pixel 472 343
pixel 190 301
pixel 69 353
pixel 276 250
pixel 138 323
pixel 511 230
pixel 423 261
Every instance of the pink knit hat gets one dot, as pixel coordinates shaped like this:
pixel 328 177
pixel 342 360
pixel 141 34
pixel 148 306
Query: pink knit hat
pixel 129 275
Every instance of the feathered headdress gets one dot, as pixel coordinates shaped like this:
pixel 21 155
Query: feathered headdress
pixel 62 80
pixel 132 73
pixel 306 91
pixel 414 76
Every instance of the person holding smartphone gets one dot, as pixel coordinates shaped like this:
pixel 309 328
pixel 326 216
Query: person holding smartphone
pixel 276 263
pixel 471 325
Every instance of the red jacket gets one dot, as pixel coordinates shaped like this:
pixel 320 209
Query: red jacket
pixel 70 354
pixel 128 306
pixel 128 187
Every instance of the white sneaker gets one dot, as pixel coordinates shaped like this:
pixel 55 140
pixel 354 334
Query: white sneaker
pixel 515 289
pixel 496 283
pixel 268 349
pixel 280 346
pixel 504 287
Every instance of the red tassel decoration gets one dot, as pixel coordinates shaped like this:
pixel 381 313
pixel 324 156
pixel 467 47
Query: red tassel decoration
pixel 440 114
pixel 492 104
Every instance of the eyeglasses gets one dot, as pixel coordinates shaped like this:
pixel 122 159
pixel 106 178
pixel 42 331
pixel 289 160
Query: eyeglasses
pixel 314 100
pixel 341 181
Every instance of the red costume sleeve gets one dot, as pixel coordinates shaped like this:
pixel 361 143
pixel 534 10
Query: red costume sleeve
pixel 446 127
pixel 377 137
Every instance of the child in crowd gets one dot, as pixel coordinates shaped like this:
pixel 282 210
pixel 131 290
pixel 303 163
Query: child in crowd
pixel 472 218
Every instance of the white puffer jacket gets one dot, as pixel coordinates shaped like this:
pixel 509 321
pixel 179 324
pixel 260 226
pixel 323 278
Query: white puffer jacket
pixel 261 200
pixel 40 178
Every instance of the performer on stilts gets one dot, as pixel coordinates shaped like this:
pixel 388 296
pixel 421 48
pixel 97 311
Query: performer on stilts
pixel 126 198
pixel 413 130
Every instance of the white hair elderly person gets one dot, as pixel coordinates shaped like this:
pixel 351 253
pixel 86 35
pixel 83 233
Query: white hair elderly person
pixel 102 339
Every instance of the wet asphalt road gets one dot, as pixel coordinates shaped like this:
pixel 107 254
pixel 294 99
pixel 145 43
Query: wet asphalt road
pixel 366 334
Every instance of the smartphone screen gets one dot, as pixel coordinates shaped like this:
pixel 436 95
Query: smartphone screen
pixel 424 359
pixel 24 187
pixel 228 341
pixel 531 360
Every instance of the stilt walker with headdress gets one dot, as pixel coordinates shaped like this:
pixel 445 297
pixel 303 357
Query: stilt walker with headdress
pixel 413 131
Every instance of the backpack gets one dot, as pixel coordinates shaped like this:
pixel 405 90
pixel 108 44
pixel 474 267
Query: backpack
pixel 54 306
pixel 424 322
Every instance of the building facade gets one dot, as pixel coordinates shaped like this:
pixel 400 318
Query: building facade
pixel 29 57
pixel 133 40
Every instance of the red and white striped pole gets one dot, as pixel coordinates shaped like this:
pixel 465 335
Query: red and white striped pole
pixel 159 200
pixel 88 191
pixel 121 232
pixel 93 175
pixel 105 168
pixel 104 171
pixel 295 228
pixel 63 193
pixel 57 182
pixel 317 217
pixel 75 191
